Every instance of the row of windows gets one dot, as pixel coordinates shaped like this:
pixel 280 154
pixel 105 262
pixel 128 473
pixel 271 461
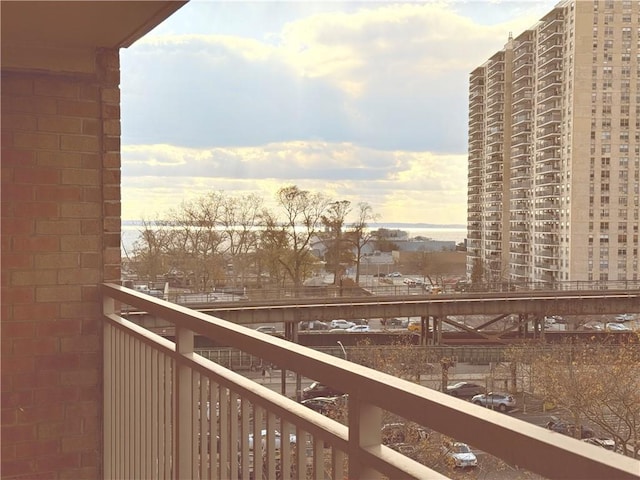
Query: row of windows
pixel 609 32
pixel 623 162
pixel 625 56
pixel 623 135
pixel 606 149
pixel 607 83
pixel 607 97
pixel 606 109
pixel 608 4
pixel 606 124
pixel 609 18
pixel 607 71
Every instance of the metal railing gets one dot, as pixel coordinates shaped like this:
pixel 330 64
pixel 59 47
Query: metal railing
pixel 170 413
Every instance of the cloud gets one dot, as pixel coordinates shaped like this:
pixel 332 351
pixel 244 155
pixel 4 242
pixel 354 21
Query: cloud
pixel 341 171
pixel 363 101
pixel 386 76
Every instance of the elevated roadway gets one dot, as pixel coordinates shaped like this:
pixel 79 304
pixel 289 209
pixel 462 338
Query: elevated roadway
pixel 528 307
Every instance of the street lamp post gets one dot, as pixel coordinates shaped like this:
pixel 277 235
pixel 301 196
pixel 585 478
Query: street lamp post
pixel 343 350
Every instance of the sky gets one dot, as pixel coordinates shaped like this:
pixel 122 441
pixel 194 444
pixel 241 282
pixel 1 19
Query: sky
pixel 362 101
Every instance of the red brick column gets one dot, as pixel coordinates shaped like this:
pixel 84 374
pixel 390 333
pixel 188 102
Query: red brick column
pixel 60 240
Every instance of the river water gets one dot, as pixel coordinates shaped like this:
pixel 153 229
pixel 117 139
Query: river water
pixel 131 233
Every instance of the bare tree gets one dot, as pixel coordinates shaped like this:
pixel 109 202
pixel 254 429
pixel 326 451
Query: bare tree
pixel 150 259
pixel 358 234
pixel 197 240
pixel 273 246
pixel 333 238
pixel 594 382
pixel 241 218
pixel 302 213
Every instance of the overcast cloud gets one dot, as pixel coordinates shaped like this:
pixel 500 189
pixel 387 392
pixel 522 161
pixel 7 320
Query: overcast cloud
pixel 364 101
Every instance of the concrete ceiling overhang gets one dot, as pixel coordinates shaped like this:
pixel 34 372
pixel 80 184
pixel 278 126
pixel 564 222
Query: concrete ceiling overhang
pixel 31 30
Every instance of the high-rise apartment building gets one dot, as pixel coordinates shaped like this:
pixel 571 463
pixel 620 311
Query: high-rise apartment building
pixel 554 149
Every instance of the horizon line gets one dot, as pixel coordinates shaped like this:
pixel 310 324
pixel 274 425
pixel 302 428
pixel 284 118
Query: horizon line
pixel 452 226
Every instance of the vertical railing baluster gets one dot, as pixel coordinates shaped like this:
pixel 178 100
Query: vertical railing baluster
pixel 170 427
pixel 257 443
pixel 184 406
pixel 223 408
pixel 153 413
pixel 214 430
pixel 318 459
pixel 120 392
pixel 204 445
pixel 365 422
pixel 108 308
pixel 137 413
pixel 128 401
pixel 301 453
pixel 286 450
pixel 269 446
pixel 337 463
pixel 233 434
pixel 245 412
pixel 194 421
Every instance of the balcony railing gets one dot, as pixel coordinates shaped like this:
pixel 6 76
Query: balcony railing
pixel 171 413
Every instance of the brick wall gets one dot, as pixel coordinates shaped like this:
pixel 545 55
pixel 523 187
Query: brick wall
pixel 60 240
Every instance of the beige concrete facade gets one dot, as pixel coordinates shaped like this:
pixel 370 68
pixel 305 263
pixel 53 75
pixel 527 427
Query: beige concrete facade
pixel 554 171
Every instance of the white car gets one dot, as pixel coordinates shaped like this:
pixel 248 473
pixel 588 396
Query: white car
pixel 359 328
pixel 617 327
pixel 624 317
pixel 460 454
pixel 341 324
pixel 394 274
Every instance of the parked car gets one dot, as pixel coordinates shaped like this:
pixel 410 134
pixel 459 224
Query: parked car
pixel 606 443
pixel 617 327
pixel 379 274
pixel 624 317
pixel 409 282
pixel 465 389
pixel 414 325
pixel 266 329
pixel 328 406
pixel 434 289
pixel 500 401
pixel 460 455
pixel 398 322
pixel 317 389
pixel 314 325
pixel 394 274
pixel 360 321
pixel 570 429
pixel 339 323
pixel 278 439
pixel 551 319
pixel 358 329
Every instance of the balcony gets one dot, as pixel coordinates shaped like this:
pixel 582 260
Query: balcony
pixel 159 399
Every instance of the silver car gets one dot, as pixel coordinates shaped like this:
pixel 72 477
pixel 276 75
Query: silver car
pixel 500 401
pixel 460 455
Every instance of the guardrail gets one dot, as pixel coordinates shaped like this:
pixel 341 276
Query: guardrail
pixel 170 413
pixel 385 286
